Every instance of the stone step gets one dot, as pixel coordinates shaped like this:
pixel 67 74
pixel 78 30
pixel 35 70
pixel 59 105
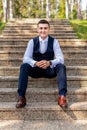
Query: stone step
pixel 34 25
pixel 68 61
pixel 75 42
pixel 66 45
pixel 73 47
pixel 21 46
pixel 35 31
pixel 43 124
pixel 16 35
pixel 43 111
pixel 12 82
pixel 43 94
pixel 71 70
pixel 35 20
pixel 29 37
pixel 32 28
pixel 67 54
pixel 35 34
pixel 27 29
pixel 75 53
pixel 9 47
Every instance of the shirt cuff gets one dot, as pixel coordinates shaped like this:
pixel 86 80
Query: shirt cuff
pixel 33 63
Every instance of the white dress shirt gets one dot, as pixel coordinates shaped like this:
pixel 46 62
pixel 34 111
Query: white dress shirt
pixel 58 55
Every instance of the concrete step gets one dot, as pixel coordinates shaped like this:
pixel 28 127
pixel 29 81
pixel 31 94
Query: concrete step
pixel 72 42
pixel 71 70
pixel 43 111
pixel 35 20
pixel 12 82
pixel 73 47
pixel 68 61
pixel 75 53
pixel 14 47
pixel 43 94
pixel 75 61
pixel 29 37
pixel 34 25
pixel 35 34
pixel 67 54
pixel 43 124
pixel 29 23
pixel 52 29
pixel 35 31
pixel 21 46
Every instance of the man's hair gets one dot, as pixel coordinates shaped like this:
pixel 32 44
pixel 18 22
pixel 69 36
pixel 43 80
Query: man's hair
pixel 43 21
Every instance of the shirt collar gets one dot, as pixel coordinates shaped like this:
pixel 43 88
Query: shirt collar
pixel 45 40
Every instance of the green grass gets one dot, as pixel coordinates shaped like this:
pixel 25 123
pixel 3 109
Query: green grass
pixel 80 27
pixel 2 25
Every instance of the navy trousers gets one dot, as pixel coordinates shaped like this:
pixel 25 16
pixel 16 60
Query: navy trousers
pixel 36 72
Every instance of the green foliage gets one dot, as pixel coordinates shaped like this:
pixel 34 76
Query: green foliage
pixel 61 10
pixel 1 11
pixel 2 25
pixel 73 15
pixel 33 9
pixel 80 26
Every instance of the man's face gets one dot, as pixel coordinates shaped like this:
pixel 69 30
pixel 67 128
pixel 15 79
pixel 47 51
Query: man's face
pixel 43 30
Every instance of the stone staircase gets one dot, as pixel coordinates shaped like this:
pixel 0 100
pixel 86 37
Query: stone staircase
pixel 42 93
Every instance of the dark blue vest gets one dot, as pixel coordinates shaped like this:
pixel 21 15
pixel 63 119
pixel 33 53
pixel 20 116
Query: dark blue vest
pixel 48 55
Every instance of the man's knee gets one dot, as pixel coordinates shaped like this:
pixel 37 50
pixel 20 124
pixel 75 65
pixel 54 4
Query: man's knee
pixel 60 67
pixel 25 66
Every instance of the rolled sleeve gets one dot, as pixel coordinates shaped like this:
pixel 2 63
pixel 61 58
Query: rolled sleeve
pixel 28 56
pixel 58 55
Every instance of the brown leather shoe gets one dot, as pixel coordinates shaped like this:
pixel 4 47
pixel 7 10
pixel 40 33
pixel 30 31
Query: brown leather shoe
pixel 62 101
pixel 21 102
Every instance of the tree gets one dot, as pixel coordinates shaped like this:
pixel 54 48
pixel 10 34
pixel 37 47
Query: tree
pixel 47 9
pixel 68 9
pixel 1 11
pixel 5 9
pixel 61 9
pixel 11 12
pixel 79 10
pixel 57 5
pixel 72 8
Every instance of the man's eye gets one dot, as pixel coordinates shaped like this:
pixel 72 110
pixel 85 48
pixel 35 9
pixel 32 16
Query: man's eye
pixel 43 28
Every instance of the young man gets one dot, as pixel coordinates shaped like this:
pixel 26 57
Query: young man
pixel 39 62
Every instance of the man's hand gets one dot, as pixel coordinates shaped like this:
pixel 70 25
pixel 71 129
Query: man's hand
pixel 42 64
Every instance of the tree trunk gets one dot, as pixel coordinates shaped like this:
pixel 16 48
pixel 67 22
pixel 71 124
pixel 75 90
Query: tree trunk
pixel 72 5
pixel 86 13
pixel 5 10
pixel 42 5
pixel 47 9
pixel 57 4
pixel 67 9
pixel 79 10
pixel 11 13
